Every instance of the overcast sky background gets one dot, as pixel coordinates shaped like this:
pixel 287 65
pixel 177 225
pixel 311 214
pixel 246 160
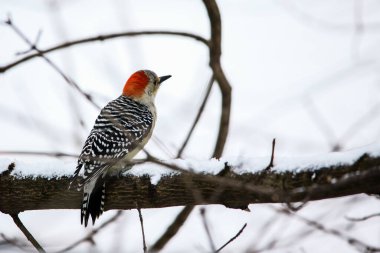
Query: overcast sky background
pixel 303 72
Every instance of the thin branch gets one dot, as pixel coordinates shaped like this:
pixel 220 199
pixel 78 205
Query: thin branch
pixel 233 238
pixel 34 47
pixel 102 38
pixel 35 43
pixel 39 153
pixel 270 165
pixel 363 218
pixel 26 232
pixel 142 229
pixel 173 229
pixel 15 242
pixel 364 120
pixel 359 245
pixel 89 236
pixel 211 242
pixel 162 146
pixel 199 114
pixel 322 123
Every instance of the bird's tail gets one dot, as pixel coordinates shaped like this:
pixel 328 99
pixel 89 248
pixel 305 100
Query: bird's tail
pixel 93 199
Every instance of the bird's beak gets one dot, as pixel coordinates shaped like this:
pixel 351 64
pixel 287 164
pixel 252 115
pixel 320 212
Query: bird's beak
pixel 163 78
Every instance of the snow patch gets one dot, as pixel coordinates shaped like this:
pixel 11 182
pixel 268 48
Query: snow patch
pixel 155 171
pixel 58 168
pixel 299 163
pixel 47 168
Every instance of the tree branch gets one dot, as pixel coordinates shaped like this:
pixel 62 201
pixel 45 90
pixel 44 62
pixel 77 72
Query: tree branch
pixel 39 153
pixel 356 243
pixel 232 190
pixel 26 232
pixel 233 238
pixel 104 37
pixel 207 229
pixel 172 230
pixel 364 217
pixel 142 228
pixel 224 85
pixel 33 47
pixel 199 114
pixel 90 236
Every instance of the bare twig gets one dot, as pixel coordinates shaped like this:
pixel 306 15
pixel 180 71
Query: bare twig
pixel 102 38
pixel 359 245
pixel 363 218
pixel 26 232
pixel 233 238
pixel 52 64
pixel 322 123
pixel 364 120
pixel 270 165
pixel 142 228
pixel 359 29
pixel 203 215
pixel 161 145
pixel 172 230
pixel 89 237
pixel 15 242
pixel 39 153
pixel 196 120
pixel 35 43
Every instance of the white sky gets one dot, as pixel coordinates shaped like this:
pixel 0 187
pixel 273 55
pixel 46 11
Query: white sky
pixel 299 71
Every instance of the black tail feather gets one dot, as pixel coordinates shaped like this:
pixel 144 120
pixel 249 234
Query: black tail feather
pixel 94 206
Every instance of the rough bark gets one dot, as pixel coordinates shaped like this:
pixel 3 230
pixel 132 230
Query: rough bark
pixel 230 189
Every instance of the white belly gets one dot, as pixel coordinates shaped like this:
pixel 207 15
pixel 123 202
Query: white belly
pixel 121 165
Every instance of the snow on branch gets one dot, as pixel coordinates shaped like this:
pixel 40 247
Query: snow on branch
pixel 233 182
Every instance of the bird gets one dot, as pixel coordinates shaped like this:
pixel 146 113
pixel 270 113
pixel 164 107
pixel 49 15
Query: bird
pixel 121 130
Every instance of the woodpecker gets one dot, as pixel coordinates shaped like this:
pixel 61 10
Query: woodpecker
pixel 121 130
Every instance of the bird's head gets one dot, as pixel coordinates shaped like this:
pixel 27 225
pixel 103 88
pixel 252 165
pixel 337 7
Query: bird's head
pixel 143 85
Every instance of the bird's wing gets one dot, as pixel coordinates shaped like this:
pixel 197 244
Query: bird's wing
pixel 120 128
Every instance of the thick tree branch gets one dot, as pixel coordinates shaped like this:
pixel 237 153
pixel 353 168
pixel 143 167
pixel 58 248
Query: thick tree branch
pixel 232 190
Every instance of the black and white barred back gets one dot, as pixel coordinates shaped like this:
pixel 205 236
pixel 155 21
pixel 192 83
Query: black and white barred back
pixel 120 128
